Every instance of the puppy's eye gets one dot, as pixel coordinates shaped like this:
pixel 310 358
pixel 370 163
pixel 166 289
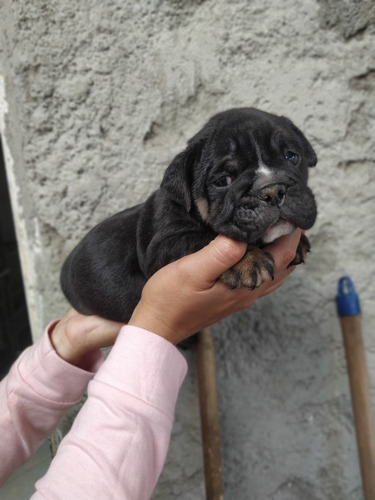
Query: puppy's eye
pixel 292 157
pixel 224 181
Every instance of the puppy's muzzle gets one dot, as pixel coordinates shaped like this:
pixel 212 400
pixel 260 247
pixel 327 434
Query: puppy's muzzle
pixel 273 194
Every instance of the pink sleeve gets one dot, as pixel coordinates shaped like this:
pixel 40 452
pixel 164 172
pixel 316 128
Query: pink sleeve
pixel 39 389
pixel 119 440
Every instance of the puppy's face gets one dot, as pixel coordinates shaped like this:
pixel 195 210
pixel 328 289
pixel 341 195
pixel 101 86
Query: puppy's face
pixel 245 173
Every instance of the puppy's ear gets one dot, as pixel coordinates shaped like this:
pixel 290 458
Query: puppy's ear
pixel 178 178
pixel 308 150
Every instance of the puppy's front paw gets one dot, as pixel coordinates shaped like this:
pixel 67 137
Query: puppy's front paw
pixel 256 267
pixel 302 250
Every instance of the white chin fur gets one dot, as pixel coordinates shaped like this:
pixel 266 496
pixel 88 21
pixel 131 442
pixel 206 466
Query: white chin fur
pixel 279 229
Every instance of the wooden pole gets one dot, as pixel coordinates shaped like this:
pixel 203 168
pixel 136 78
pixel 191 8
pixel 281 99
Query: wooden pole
pixel 360 394
pixel 349 312
pixel 209 416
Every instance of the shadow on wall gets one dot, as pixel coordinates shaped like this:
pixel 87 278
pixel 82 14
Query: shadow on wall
pixel 15 332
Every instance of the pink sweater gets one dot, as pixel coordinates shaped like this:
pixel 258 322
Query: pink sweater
pixel 118 443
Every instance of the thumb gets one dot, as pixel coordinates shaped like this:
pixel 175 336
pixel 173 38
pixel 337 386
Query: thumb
pixel 221 254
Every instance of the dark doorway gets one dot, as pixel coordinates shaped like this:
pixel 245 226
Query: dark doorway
pixel 15 332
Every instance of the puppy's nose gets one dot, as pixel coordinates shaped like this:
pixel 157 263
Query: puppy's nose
pixel 274 194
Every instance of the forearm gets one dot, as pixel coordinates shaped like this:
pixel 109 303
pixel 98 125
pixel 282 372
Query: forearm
pixel 39 389
pixel 118 443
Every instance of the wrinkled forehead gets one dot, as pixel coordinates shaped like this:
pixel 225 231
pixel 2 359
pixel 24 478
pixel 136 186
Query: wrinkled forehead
pixel 251 137
pixel 243 138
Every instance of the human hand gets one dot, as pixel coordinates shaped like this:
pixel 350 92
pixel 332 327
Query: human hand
pixel 76 335
pixel 187 295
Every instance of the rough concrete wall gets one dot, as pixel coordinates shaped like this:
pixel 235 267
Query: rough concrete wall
pixel 101 95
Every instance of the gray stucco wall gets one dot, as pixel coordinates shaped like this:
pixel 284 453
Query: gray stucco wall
pixel 95 100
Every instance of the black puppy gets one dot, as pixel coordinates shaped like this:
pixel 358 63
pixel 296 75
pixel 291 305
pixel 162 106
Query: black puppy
pixel 243 175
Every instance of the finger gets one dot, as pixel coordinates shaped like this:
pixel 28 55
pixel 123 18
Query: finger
pixel 215 258
pixel 283 250
pixel 273 288
pixel 101 332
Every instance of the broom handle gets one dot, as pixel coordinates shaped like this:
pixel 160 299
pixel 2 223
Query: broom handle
pixel 360 394
pixel 350 319
pixel 209 416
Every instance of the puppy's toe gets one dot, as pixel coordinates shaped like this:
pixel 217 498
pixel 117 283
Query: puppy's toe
pixel 302 250
pixel 254 268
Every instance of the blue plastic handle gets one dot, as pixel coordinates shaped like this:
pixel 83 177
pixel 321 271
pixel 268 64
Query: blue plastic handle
pixel 347 299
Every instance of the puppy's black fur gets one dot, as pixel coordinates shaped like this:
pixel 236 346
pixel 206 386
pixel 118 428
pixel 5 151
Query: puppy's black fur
pixel 243 175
